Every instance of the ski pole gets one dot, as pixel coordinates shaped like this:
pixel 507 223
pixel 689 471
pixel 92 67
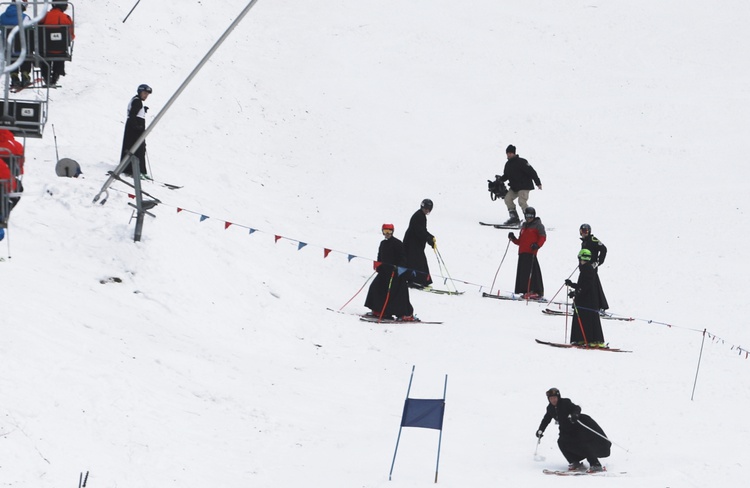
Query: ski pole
pixel 603 437
pixel 387 296
pixel 358 291
pixel 440 265
pixel 498 268
pixel 538 457
pixel 561 286
pixel 440 257
pixel 531 271
pixel 580 323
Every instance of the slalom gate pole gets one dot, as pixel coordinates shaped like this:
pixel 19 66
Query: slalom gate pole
pixel 401 426
pixel 498 268
pixel 131 11
pixel 700 356
pixel 440 437
pixel 358 291
pixel 603 437
pixel 387 296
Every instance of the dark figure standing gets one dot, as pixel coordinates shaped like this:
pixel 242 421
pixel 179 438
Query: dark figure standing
pixel 598 254
pixel 576 442
pixel 528 273
pixel 135 126
pixel 521 178
pixel 388 294
pixel 587 325
pixel 415 240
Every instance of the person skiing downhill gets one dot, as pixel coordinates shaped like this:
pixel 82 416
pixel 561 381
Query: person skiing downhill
pixel 415 239
pixel 532 237
pixel 576 441
pixel 521 178
pixel 587 325
pixel 388 294
pixel 135 126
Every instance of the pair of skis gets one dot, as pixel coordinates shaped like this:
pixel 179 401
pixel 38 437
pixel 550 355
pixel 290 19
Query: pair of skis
pixel 605 316
pixel 377 320
pixel 604 472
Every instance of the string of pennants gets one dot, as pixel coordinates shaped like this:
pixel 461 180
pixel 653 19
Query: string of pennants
pixel 349 256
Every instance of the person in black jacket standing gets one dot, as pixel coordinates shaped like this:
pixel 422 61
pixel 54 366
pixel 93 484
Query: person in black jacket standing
pixel 135 126
pixel 388 294
pixel 415 240
pixel 576 441
pixel 521 178
pixel 586 294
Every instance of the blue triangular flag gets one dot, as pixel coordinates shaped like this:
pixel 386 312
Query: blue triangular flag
pixel 350 257
pixel 204 217
pixel 300 245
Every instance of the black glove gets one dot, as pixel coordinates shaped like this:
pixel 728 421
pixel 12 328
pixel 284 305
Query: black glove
pixel 534 246
pixel 539 434
pixel 573 417
pixel 572 294
pixel 569 283
pixel 145 109
pixel 511 235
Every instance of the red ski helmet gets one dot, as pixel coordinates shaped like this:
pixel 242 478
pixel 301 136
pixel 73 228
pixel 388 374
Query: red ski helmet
pixel 388 227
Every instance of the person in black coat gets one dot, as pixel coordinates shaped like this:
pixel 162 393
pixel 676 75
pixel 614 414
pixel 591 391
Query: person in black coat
pixel 598 255
pixel 587 325
pixel 576 441
pixel 135 126
pixel 415 240
pixel 389 294
pixel 521 178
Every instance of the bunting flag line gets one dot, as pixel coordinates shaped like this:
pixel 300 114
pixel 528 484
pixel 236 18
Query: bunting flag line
pixel 327 251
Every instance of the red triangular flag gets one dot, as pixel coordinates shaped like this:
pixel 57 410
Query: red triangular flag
pixel 226 225
pixel 326 252
pixel 276 238
pixel 179 210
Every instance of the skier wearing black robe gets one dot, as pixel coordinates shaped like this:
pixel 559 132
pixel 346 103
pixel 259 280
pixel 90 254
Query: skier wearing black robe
pixel 388 285
pixel 135 126
pixel 532 237
pixel 587 325
pixel 576 442
pixel 598 254
pixel 415 240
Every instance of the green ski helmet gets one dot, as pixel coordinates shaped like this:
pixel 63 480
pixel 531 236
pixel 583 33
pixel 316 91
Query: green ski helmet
pixel 584 255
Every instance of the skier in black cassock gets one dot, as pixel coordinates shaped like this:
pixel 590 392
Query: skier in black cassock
pixel 135 126
pixel 576 442
pixel 389 294
pixel 598 254
pixel 586 294
pixel 415 240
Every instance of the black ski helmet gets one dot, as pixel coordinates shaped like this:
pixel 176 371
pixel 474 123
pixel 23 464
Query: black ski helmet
pixel 553 392
pixel 144 87
pixel 585 227
pixel 426 203
pixel 529 213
